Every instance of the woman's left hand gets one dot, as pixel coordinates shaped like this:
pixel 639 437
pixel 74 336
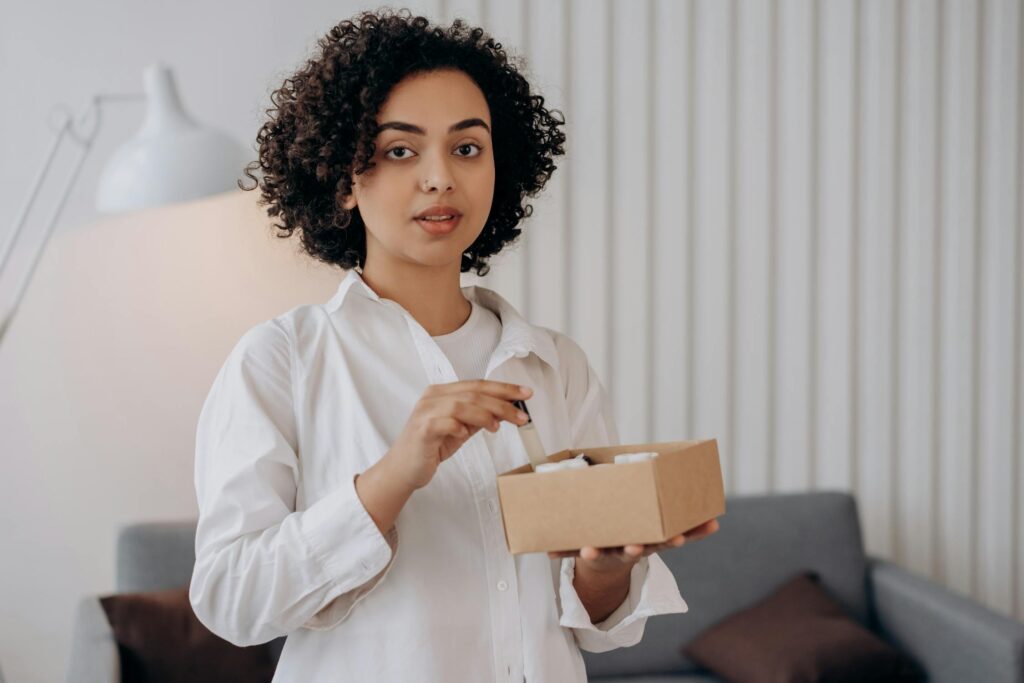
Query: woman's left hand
pixel 620 557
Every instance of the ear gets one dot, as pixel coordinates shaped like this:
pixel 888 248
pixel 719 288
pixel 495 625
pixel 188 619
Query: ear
pixel 349 202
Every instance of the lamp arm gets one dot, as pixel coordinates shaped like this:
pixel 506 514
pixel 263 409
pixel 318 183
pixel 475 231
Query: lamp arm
pixel 13 237
pixel 84 139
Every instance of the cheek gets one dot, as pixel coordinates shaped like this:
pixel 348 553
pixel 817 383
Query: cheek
pixel 483 187
pixel 380 196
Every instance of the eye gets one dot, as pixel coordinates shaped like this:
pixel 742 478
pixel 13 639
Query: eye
pixel 398 158
pixel 479 149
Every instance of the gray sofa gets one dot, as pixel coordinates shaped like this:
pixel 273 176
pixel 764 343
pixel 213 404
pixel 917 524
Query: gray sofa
pixel 763 541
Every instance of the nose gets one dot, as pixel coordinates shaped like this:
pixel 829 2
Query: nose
pixel 438 175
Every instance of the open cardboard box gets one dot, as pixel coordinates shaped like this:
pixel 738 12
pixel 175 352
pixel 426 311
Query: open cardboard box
pixel 641 502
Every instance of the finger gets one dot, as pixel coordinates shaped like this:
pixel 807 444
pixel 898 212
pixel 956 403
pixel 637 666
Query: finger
pixel 708 527
pixel 590 553
pixel 673 542
pixel 468 411
pixel 505 390
pixel 501 409
pixel 703 530
pixel 634 550
pixel 488 408
pixel 448 426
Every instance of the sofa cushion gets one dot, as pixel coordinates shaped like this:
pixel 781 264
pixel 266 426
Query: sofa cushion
pixel 160 639
pixel 799 634
pixel 155 556
pixel 763 541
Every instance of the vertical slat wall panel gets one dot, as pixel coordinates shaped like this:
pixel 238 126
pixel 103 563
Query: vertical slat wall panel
pixel 915 279
pixel 796 227
pixel 833 374
pixel 711 223
pixel 934 519
pixel 669 228
pixel 876 246
pixel 753 243
pixel 590 35
pixel 630 302
pixel 547 247
pixel 793 258
pixel 997 299
pixel 508 272
pixel 957 220
pixel 1017 454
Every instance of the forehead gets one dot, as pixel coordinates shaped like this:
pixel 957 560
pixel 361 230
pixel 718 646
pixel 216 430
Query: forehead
pixel 435 100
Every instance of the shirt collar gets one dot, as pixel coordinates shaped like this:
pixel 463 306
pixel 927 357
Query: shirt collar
pixel 518 335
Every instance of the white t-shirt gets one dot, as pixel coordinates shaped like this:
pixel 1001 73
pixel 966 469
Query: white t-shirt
pixel 284 546
pixel 469 348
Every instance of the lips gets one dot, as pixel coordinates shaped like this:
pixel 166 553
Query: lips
pixel 438 219
pixel 437 210
pixel 437 227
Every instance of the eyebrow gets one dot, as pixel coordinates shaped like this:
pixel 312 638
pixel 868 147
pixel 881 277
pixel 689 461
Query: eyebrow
pixel 411 128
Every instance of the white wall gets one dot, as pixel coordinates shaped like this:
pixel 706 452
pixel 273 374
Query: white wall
pixel 793 226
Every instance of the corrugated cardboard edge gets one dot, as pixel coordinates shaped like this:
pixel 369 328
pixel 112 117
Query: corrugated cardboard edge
pixel 501 507
pixel 705 484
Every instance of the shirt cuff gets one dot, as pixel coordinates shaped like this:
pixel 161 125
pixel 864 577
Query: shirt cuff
pixel 341 533
pixel 355 556
pixel 652 591
pixel 338 609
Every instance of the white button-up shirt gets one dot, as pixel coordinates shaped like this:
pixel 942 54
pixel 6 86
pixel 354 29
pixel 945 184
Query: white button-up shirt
pixel 284 546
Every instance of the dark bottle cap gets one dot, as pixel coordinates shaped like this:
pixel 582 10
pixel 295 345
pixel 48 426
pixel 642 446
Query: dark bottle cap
pixel 521 405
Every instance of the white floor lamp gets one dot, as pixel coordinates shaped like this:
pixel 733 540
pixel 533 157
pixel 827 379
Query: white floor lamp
pixel 171 159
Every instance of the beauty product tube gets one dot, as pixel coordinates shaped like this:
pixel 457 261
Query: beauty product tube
pixel 635 457
pixel 574 464
pixel 567 464
pixel 531 440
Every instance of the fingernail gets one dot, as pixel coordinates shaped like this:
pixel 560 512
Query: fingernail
pixel 525 391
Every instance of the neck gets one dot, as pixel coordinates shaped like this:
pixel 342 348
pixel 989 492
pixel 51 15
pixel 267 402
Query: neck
pixel 431 295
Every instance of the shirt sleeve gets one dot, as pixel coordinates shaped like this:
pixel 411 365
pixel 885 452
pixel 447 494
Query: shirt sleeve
pixel 591 413
pixel 652 591
pixel 652 586
pixel 262 568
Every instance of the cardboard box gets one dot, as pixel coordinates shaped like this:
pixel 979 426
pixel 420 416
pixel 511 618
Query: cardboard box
pixel 641 502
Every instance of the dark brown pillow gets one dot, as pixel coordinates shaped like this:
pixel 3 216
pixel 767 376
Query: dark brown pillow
pixel 161 640
pixel 799 634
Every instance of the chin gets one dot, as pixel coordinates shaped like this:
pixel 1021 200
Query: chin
pixel 436 257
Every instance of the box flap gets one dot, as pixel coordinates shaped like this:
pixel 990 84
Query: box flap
pixel 689 482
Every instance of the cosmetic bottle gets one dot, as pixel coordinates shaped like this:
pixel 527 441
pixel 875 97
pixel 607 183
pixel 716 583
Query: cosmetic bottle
pixel 531 440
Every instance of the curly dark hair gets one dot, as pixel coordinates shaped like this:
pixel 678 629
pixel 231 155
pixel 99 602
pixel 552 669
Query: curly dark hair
pixel 324 121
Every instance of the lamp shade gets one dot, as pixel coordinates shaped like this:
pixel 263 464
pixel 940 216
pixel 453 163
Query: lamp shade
pixel 171 159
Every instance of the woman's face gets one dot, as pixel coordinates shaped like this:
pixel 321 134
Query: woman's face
pixel 434 149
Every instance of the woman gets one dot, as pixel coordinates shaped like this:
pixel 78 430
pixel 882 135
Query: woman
pixel 347 452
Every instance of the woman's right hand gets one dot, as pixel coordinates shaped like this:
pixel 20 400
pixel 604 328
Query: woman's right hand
pixel 444 418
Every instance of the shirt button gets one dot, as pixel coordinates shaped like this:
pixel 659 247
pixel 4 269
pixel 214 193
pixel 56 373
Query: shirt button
pixel 502 586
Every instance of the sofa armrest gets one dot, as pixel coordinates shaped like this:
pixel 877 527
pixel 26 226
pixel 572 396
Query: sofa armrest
pixel 94 656
pixel 954 638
